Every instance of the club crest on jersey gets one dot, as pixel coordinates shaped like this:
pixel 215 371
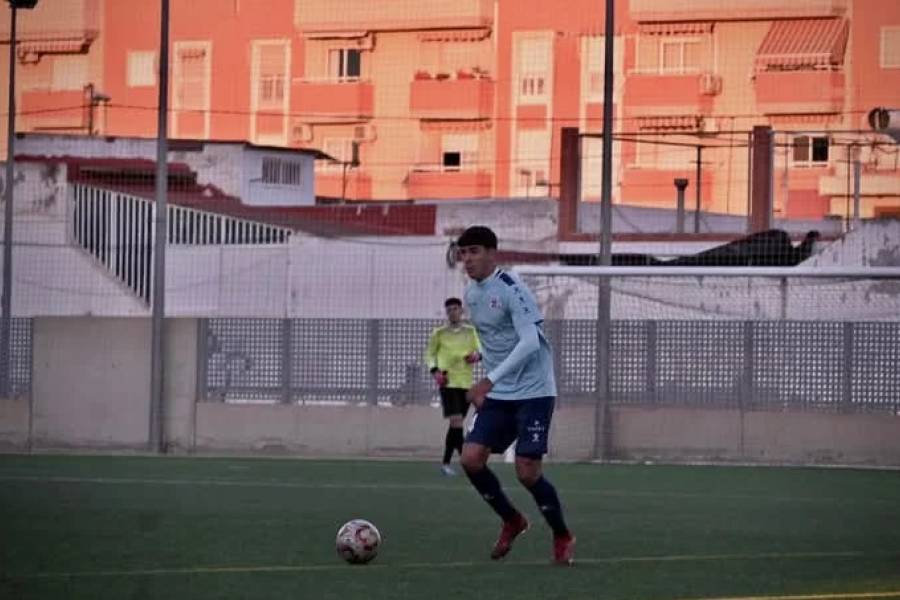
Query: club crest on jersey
pixel 494 302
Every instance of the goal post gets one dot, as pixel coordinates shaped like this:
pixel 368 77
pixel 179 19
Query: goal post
pixel 745 338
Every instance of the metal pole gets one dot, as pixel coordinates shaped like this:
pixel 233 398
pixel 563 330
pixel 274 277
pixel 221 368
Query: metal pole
pixel 157 442
pixel 857 174
pixel 680 185
pixel 602 419
pixel 697 191
pixel 6 301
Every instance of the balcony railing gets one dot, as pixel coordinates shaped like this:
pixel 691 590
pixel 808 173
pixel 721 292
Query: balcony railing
pixel 800 91
pixel 348 15
pixel 691 93
pixel 342 98
pixel 431 181
pixel 461 97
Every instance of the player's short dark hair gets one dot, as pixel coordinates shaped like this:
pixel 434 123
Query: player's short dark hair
pixel 477 235
pixel 452 302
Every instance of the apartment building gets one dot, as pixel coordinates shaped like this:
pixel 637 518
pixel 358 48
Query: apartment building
pixel 429 99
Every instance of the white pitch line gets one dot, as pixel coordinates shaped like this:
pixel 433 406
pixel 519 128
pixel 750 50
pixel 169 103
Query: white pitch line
pixel 423 487
pixel 842 596
pixel 212 570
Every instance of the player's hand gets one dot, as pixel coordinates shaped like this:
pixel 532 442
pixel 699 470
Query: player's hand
pixel 477 393
pixel 473 357
pixel 440 378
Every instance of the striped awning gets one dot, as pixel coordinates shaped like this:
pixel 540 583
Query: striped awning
pixel 454 126
pixel 455 35
pixel 803 44
pixel 676 28
pixel 669 123
pixel 60 42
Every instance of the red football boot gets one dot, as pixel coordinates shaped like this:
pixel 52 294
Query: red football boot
pixel 564 549
pixel 508 533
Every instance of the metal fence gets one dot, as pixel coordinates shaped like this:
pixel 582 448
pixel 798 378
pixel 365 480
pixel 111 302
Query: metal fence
pixel 796 365
pixel 20 363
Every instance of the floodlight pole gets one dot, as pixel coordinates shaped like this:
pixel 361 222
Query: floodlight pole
pixel 156 441
pixel 6 297
pixel 602 417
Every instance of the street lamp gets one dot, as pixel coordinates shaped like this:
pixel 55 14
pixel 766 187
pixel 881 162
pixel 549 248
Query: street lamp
pixel 6 298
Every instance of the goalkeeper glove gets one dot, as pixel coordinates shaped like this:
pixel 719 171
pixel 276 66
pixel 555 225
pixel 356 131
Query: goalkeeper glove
pixel 440 377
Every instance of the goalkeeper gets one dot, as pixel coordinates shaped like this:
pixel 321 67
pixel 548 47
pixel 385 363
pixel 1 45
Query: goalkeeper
pixel 452 350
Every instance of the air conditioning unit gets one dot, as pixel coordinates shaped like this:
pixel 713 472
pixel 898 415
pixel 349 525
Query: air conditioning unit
pixel 364 133
pixel 708 125
pixel 366 42
pixel 710 84
pixel 301 132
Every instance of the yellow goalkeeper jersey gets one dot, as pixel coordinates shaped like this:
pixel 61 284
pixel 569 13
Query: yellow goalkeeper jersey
pixel 447 349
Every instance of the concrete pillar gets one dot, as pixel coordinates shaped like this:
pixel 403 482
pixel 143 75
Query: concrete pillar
pixel 761 180
pixel 569 181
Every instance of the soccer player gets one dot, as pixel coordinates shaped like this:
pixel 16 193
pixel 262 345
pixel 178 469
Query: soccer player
pixel 452 350
pixel 515 399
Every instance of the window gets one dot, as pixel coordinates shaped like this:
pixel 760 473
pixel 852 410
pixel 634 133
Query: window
pixel 810 150
pixel 282 172
pixel 679 55
pixel 69 73
pixel 890 47
pixel 345 64
pixel 339 148
pixel 459 151
pixel 532 164
pixel 534 58
pixel 270 72
pixel 141 69
pixel 592 60
pixel 192 75
pixel 676 53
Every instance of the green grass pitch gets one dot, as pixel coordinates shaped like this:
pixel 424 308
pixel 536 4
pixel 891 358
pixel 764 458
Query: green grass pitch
pixel 131 527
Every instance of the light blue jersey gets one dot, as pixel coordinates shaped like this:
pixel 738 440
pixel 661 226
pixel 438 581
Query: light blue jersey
pixel 514 350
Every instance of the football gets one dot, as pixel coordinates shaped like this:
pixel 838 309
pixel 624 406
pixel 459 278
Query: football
pixel 358 541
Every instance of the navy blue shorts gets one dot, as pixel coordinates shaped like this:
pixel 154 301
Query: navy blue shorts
pixel 500 422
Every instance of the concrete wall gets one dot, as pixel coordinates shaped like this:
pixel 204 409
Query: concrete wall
pixel 91 391
pixel 91 385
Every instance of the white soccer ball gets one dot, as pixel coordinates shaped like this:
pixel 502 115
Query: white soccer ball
pixel 358 541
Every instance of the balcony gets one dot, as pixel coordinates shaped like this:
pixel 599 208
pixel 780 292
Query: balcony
pixel 671 94
pixel 799 92
pixel 356 185
pixel 332 100
pixel 717 10
pixel 434 184
pixel 311 16
pixel 46 110
pixel 459 98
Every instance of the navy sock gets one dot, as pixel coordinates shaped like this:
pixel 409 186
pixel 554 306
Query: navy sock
pixel 449 445
pixel 488 486
pixel 548 503
pixel 456 439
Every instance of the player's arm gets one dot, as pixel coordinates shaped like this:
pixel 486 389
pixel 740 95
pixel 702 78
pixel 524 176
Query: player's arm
pixel 474 354
pixel 528 344
pixel 431 350
pixel 525 317
pixel 431 359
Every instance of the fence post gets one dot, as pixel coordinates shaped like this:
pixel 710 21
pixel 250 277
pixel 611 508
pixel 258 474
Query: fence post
pixel 847 396
pixel 202 358
pixel 287 367
pixel 373 338
pixel 651 362
pixel 555 333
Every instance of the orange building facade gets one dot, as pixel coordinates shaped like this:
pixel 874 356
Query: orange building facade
pixel 432 99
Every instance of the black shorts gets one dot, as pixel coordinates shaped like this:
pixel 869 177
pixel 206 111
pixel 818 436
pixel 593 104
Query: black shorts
pixel 453 401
